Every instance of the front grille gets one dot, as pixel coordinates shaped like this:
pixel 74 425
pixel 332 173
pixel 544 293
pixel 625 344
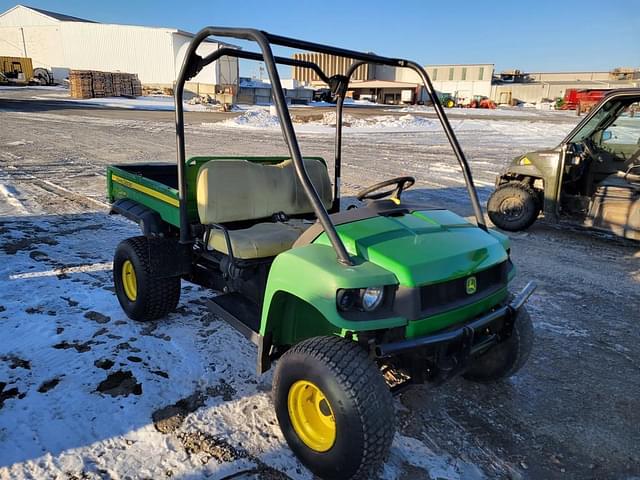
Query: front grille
pixel 441 297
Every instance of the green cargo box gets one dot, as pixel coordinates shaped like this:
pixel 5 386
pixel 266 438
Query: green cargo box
pixel 156 185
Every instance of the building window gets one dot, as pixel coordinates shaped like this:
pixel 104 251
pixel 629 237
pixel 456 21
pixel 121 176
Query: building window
pixel 464 73
pixel 451 73
pixel 480 73
pixel 435 74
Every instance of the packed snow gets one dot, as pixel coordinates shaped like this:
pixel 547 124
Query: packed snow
pixel 87 393
pixel 147 102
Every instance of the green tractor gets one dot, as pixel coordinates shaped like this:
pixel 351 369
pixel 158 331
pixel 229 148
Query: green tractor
pixel 351 305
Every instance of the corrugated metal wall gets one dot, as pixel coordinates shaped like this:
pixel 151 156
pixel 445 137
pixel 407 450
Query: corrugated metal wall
pixel 42 44
pixel 145 51
pixel 223 72
pixel 330 65
pixel 155 54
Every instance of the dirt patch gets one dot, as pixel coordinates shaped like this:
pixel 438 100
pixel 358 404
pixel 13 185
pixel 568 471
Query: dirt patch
pixel 2 309
pixel 169 419
pixel 104 363
pixel 210 447
pixel 11 248
pixel 70 302
pixel 7 394
pixel 48 385
pixel 16 362
pixel 80 347
pixel 99 332
pixel 127 346
pixel 133 358
pixel 97 317
pixel 120 384
pixel 223 389
pixel 160 373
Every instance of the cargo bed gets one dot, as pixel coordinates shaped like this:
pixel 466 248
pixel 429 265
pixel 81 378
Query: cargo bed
pixel 155 186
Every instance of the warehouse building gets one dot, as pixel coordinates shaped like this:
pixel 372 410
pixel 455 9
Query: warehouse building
pixel 60 42
pixel 461 81
pixel 391 85
pixel 515 86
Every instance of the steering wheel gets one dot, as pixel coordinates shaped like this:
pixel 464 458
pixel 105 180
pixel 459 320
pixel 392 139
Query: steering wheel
pixel 401 184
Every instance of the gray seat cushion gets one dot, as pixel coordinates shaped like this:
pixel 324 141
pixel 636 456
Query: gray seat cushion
pixel 260 240
pixel 234 190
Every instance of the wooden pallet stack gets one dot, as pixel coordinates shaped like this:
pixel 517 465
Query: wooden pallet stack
pixel 81 84
pixel 96 84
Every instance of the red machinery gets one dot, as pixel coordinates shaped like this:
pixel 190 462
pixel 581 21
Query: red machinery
pixel 584 98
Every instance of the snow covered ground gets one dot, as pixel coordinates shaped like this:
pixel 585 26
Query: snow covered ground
pixel 87 393
pixel 147 102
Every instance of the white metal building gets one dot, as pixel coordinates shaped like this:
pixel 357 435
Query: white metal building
pixel 60 42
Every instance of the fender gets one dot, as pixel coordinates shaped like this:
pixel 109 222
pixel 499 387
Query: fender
pixel 290 305
pixel 149 221
pixel 519 171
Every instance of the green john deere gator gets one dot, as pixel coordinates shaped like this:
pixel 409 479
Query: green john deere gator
pixel 352 305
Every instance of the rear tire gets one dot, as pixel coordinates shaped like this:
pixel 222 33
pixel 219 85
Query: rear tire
pixel 507 358
pixel 513 206
pixel 142 296
pixel 355 435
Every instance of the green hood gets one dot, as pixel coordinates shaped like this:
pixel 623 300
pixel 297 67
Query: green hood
pixel 423 247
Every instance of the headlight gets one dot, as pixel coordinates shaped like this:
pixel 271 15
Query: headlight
pixel 363 299
pixel 372 298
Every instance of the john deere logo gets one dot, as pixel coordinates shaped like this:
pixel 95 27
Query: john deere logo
pixel 472 285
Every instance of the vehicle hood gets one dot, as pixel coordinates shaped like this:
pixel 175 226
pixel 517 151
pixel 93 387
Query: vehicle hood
pixel 424 246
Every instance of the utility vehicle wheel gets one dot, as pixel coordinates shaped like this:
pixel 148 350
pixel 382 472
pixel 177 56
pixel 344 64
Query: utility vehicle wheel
pixel 142 296
pixel 506 358
pixel 513 206
pixel 334 408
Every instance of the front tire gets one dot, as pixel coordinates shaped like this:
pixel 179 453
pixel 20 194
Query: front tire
pixel 513 206
pixel 334 408
pixel 506 358
pixel 142 296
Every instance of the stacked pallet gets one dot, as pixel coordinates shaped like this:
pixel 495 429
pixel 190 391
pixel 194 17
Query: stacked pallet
pixel 81 84
pixel 95 84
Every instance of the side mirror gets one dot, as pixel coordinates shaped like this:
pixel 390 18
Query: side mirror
pixel 607 135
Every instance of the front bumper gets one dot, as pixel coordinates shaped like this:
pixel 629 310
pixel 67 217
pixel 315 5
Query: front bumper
pixel 465 336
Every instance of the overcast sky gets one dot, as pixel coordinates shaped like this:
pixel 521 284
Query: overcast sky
pixel 540 35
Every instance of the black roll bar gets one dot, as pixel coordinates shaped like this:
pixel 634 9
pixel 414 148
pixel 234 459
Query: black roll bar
pixel 233 52
pixel 187 70
pixel 193 64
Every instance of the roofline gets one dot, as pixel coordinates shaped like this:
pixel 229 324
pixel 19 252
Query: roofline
pixel 92 22
pixel 459 65
pixel 41 12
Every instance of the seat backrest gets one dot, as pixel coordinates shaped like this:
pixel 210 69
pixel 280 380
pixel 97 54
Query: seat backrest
pixel 235 189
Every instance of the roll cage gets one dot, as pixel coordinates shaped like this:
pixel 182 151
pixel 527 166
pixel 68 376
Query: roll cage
pixel 193 63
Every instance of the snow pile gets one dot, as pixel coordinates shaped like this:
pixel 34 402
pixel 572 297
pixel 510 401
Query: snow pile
pixel 405 122
pixel 262 118
pixel 378 121
pixel 255 118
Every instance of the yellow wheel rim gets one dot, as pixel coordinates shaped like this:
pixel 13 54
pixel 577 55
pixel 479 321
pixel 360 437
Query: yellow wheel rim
pixel 129 281
pixel 311 416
